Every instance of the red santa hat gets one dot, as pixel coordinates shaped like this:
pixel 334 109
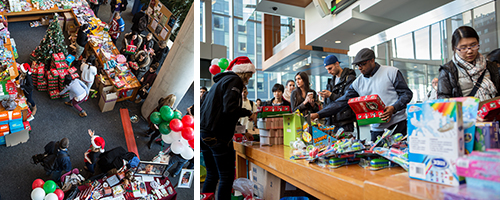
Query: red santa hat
pixel 25 68
pixel 241 64
pixel 98 143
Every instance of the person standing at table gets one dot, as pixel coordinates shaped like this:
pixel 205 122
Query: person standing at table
pixel 289 87
pixel 89 71
pixel 140 20
pixel 278 99
pixel 303 97
pixel 386 81
pixel 219 114
pixel 116 26
pixel 94 5
pixel 26 84
pixel 118 6
pixel 468 73
pixel 81 40
pixel 335 88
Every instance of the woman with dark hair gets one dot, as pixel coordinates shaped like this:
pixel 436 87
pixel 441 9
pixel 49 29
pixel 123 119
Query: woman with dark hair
pixel 303 97
pixel 278 97
pixel 89 71
pixel 78 93
pixel 468 73
pixel 289 87
pixel 81 40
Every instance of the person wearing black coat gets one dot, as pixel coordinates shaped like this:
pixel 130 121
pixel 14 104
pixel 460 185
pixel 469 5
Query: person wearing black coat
pixel 137 25
pixel 468 73
pixel 219 113
pixel 81 40
pixel 26 84
pixel 278 99
pixel 94 5
pixel 161 53
pixel 336 88
pixel 117 6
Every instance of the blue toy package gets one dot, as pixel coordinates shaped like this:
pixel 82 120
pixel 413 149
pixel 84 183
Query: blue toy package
pixel 486 136
pixel 435 141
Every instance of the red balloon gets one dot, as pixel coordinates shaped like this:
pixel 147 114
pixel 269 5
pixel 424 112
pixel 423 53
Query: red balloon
pixel 191 143
pixel 37 183
pixel 188 120
pixel 176 125
pixel 59 193
pixel 187 133
pixel 214 69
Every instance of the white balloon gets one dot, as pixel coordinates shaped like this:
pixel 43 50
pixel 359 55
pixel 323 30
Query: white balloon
pixel 176 135
pixel 167 138
pixel 51 196
pixel 215 61
pixel 38 194
pixel 176 147
pixel 187 153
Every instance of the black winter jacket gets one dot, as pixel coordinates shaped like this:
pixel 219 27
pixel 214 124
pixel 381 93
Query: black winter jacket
pixel 137 26
pixel 297 99
pixel 27 84
pixel 283 102
pixel 81 38
pixel 346 115
pixel 221 107
pixel 448 85
pixel 123 8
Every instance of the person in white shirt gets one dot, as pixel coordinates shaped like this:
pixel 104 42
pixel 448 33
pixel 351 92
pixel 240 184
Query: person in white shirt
pixel 251 106
pixel 88 71
pixel 432 95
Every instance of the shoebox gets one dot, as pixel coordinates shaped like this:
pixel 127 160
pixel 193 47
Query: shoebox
pixel 367 109
pixel 292 123
pixel 487 136
pixel 4 128
pixel 2 137
pixel 16 125
pixel 436 141
pixel 108 98
pixel 27 125
pixel 15 114
pixel 207 196
pixel 4 116
pixel 277 188
pixel 258 176
pixel 267 111
pixel 489 109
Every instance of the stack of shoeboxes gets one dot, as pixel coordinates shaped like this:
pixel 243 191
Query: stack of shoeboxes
pixel 367 109
pixel 270 130
pixel 436 140
pixel 39 79
pixel 55 76
pixel 10 122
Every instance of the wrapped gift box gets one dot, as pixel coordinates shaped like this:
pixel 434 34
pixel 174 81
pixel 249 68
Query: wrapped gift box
pixel 489 109
pixel 367 109
pixel 267 111
pixel 75 75
pixel 72 70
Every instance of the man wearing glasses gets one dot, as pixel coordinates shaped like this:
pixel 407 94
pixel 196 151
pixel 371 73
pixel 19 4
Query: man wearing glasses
pixel 385 81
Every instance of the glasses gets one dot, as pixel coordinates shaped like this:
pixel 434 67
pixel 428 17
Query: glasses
pixel 475 47
pixel 362 64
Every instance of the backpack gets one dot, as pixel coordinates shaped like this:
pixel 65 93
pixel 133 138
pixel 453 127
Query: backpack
pixel 49 161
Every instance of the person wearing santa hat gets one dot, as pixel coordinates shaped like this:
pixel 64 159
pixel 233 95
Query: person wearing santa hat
pixel 92 154
pixel 219 113
pixel 26 84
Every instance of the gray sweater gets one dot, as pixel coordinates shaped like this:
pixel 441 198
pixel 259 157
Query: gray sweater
pixel 76 89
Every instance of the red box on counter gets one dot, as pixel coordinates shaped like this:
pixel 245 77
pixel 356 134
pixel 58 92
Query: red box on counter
pixel 207 196
pixel 489 109
pixel 368 109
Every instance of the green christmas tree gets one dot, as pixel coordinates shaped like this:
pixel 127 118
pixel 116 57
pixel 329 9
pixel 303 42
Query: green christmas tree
pixel 53 42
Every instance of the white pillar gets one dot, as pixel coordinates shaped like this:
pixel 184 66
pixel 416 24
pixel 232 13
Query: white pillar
pixel 177 72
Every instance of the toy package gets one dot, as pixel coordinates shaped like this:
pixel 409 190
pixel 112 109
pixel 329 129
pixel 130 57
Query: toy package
pixel 486 136
pixel 368 109
pixel 489 109
pixel 481 170
pixel 435 141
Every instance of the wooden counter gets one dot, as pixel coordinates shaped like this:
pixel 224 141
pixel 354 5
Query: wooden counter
pixel 348 182
pixel 32 14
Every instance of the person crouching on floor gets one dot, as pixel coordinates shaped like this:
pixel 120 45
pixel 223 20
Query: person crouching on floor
pixel 78 92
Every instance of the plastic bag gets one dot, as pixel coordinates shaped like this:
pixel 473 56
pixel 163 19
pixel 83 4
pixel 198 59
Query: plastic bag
pixel 245 186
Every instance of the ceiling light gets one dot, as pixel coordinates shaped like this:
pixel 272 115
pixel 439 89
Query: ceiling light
pixel 323 57
pixel 415 66
pixel 337 41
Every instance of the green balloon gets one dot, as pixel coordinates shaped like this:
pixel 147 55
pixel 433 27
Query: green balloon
pixel 49 186
pixel 223 63
pixel 167 113
pixel 155 117
pixel 177 115
pixel 164 128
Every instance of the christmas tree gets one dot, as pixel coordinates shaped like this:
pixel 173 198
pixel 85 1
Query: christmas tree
pixel 53 42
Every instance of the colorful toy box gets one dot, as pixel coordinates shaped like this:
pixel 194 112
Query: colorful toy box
pixel 481 170
pixel 368 109
pixel 487 136
pixel 435 140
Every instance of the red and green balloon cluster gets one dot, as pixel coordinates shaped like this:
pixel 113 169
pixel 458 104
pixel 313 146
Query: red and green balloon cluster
pixel 169 120
pixel 218 65
pixel 46 190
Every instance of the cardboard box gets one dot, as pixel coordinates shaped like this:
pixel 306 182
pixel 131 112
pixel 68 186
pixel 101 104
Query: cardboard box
pixel 368 109
pixel 61 22
pixel 257 174
pixel 108 98
pixel 277 188
pixel 291 124
pixel 16 138
pixel 435 140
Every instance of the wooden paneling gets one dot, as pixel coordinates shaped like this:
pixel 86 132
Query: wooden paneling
pixel 272 34
pixel 299 3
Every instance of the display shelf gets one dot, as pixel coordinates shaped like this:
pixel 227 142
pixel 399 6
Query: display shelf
pixel 27 15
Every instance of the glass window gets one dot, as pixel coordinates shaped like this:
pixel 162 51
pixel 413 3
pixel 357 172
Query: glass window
pixel 484 20
pixel 220 33
pixel 242 29
pixel 258 58
pixel 404 46
pixel 243 47
pixel 220 6
pixel 435 42
pixel 464 19
pixel 287 27
pixel 247 37
pixel 422 44
pixel 202 21
pixel 415 76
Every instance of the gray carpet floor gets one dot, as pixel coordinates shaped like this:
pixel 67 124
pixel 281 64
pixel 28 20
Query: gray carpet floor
pixel 54 120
